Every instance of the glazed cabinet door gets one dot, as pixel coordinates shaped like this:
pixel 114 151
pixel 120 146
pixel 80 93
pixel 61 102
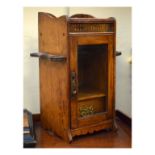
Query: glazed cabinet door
pixel 91 79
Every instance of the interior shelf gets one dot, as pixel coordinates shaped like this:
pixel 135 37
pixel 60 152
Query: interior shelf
pixel 85 94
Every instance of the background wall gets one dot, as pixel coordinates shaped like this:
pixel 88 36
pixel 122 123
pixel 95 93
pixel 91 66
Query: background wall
pixel 123 44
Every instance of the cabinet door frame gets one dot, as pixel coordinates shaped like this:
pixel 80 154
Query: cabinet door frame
pixel 74 41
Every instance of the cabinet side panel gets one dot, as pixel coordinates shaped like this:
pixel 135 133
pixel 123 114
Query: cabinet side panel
pixel 53 34
pixel 111 77
pixel 54 79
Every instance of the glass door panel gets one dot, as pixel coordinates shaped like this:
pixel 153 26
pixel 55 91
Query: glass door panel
pixel 92 79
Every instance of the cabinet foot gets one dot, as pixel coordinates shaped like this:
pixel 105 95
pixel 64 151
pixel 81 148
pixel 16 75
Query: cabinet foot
pixel 115 127
pixel 70 138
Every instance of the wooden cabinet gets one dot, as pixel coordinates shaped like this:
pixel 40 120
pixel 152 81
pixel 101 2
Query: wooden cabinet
pixel 77 74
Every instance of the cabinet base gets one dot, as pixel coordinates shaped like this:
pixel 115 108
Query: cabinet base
pixel 92 128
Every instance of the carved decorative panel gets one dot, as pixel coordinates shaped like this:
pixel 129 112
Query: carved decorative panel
pixel 91 27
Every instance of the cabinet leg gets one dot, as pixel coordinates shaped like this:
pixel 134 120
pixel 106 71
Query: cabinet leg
pixel 70 138
pixel 115 127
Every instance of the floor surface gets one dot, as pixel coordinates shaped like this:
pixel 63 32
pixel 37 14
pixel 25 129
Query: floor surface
pixel 103 139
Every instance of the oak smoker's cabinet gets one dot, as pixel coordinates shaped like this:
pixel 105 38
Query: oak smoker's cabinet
pixel 77 73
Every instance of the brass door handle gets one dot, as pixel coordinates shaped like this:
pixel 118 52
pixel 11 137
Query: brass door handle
pixel 73 84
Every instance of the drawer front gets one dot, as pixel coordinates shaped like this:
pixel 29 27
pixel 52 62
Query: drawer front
pixel 92 111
